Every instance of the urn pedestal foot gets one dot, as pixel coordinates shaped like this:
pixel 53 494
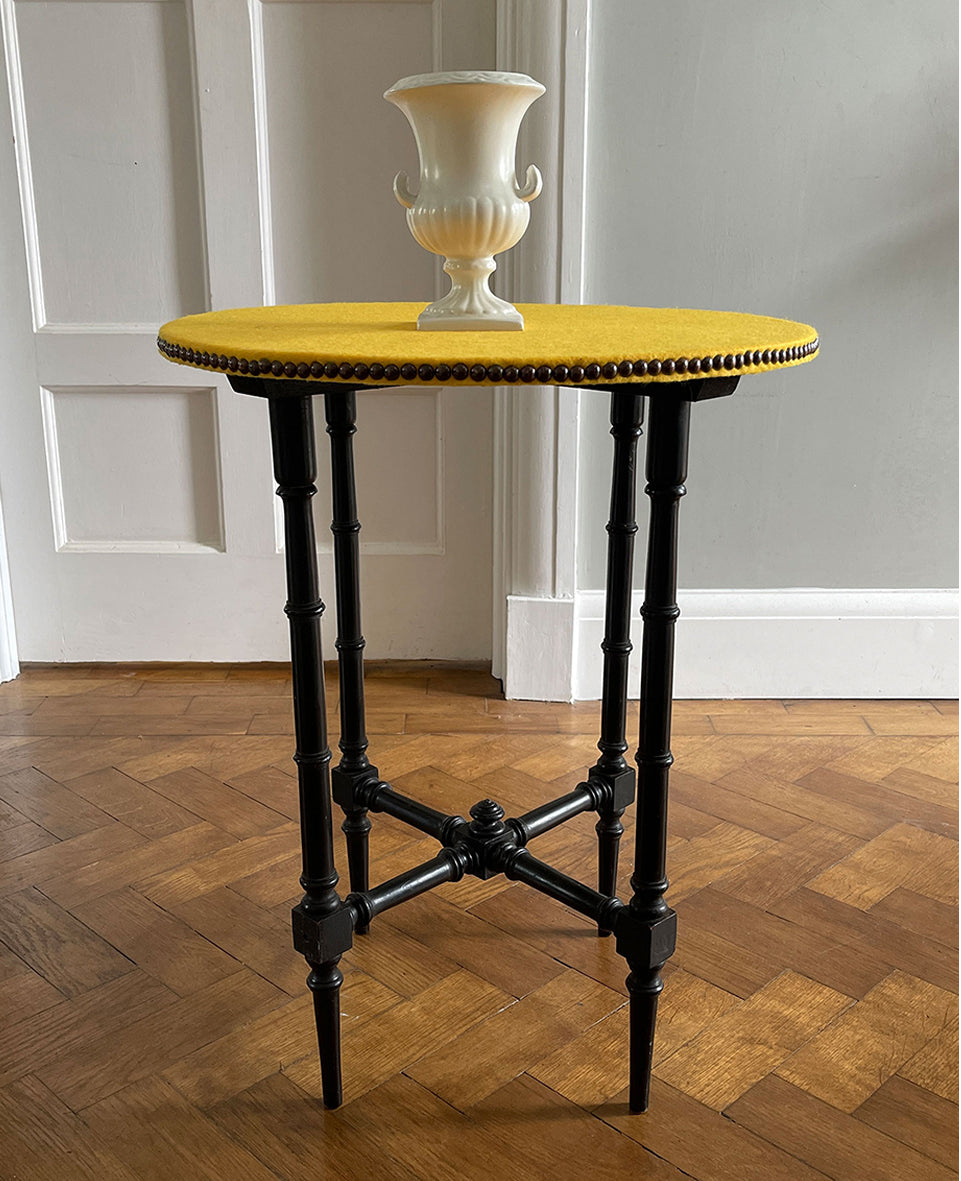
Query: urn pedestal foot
pixel 470 305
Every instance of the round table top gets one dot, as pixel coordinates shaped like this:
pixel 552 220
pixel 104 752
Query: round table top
pixel 560 345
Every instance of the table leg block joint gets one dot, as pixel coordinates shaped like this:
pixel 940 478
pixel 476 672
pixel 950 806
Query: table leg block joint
pixel 321 938
pixel 645 943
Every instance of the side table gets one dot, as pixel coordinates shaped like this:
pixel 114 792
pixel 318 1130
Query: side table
pixel 675 357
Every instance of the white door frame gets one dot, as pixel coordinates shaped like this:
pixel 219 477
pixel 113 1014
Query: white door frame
pixel 9 661
pixel 536 429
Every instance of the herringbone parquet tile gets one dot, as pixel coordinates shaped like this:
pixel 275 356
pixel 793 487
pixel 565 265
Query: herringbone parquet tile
pixel 153 1016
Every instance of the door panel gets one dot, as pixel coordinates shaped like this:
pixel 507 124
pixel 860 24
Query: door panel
pixel 112 153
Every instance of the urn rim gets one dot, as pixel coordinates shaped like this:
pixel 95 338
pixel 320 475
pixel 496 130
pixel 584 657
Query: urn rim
pixel 464 77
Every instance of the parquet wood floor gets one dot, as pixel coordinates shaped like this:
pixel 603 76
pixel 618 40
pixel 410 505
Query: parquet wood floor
pixel 154 1021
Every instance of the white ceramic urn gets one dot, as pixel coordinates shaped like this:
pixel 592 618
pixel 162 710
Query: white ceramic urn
pixel 469 205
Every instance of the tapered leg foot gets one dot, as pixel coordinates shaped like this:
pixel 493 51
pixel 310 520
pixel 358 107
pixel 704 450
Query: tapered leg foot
pixel 644 988
pixel 609 832
pixel 324 982
pixel 355 828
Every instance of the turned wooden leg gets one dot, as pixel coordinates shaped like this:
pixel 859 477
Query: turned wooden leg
pixel 612 769
pixel 666 471
pixel 354 767
pixel 322 924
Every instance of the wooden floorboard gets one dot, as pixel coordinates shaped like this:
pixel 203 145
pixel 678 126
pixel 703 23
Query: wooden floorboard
pixel 154 1021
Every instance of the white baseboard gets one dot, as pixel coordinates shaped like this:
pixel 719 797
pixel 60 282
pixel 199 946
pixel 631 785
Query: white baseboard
pixel 760 643
pixel 794 643
pixel 540 647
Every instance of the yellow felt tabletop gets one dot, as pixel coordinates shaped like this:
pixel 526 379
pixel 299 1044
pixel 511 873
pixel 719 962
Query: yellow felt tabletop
pixel 560 345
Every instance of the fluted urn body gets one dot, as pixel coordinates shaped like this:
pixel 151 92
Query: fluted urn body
pixel 469 205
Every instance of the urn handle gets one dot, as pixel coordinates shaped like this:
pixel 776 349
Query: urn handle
pixel 533 183
pixel 402 190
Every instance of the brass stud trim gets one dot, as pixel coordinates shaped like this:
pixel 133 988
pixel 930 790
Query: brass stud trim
pixel 592 372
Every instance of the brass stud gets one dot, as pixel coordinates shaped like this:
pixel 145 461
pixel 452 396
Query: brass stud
pixel 442 372
pixel 459 371
pixel 361 370
pixel 478 372
pixel 426 372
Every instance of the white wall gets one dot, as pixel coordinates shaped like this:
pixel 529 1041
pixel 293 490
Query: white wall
pixel 794 160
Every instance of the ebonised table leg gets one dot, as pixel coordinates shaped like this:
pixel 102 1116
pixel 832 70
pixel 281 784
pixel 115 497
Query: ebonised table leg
pixel 666 470
pixel 322 925
pixel 354 767
pixel 612 769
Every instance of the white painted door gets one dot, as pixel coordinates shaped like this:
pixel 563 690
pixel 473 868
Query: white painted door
pixel 168 156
